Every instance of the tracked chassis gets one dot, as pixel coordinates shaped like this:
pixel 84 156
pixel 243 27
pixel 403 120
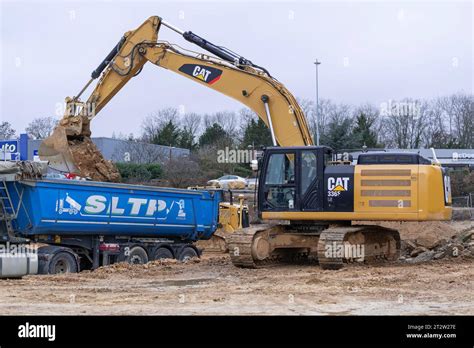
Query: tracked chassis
pixel 331 245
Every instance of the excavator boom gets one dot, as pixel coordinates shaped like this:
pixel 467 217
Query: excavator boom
pixel 70 148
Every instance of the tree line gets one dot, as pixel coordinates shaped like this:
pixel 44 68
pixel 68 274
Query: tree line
pixel 443 122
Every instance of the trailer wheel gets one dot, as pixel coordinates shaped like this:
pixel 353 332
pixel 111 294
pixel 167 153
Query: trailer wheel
pixel 137 256
pixel 162 253
pixel 186 254
pixel 62 262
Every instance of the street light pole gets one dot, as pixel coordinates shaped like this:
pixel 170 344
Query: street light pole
pixel 316 63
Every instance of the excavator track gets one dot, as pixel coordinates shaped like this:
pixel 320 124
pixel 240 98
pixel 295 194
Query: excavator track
pixel 364 243
pixel 332 238
pixel 265 245
pixel 245 247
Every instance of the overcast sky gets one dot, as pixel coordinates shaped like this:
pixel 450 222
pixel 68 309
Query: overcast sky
pixel 371 51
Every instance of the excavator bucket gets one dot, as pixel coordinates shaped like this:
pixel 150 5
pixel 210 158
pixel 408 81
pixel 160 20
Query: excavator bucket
pixel 70 149
pixel 55 149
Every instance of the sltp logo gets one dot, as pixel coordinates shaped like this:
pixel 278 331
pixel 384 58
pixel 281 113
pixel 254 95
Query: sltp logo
pixel 205 74
pixel 120 206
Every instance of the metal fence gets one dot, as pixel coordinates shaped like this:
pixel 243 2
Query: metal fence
pixel 464 201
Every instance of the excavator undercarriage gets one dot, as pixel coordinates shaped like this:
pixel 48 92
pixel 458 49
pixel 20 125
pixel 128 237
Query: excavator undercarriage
pixel 264 245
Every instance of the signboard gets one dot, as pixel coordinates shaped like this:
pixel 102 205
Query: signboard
pixel 9 150
pixel 9 145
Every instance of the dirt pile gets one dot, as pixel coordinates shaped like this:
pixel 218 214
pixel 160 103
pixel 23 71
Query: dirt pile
pixel 150 268
pixel 459 245
pixel 433 240
pixel 90 161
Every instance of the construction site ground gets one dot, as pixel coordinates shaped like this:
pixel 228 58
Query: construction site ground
pixel 212 285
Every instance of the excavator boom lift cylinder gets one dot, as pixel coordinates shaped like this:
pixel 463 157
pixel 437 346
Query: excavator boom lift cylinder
pixel 70 149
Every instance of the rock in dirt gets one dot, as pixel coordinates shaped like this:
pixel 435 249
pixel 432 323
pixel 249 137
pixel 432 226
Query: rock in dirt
pixel 408 245
pixel 465 236
pixel 429 241
pixel 423 257
pixel 439 255
pixel 417 251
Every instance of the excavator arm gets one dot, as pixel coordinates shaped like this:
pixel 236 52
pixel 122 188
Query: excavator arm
pixel 70 149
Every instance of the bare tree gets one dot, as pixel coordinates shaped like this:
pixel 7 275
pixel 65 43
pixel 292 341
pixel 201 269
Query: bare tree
pixel 152 124
pixel 41 127
pixel 192 123
pixel 437 131
pixel 228 120
pixel 405 122
pixel 183 172
pixel 328 113
pixel 307 106
pixel 6 130
pixel 459 109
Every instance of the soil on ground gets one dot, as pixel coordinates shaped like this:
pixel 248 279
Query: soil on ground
pixel 212 285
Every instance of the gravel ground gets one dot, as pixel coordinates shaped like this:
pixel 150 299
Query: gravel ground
pixel 213 285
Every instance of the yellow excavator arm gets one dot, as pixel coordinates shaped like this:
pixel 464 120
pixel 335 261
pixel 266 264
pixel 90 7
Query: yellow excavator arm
pixel 223 71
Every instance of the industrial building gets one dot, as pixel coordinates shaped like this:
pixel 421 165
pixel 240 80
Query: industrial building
pixel 117 150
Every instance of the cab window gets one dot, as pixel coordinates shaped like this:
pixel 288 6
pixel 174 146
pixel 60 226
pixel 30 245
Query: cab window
pixel 308 170
pixel 281 169
pixel 279 188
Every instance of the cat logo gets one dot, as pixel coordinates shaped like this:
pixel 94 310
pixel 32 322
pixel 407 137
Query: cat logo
pixel 338 184
pixel 205 74
pixel 201 73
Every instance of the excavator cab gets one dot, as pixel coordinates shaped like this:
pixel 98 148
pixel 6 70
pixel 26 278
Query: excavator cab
pixel 313 183
pixel 292 178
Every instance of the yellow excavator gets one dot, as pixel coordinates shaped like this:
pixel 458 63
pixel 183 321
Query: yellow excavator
pixel 306 194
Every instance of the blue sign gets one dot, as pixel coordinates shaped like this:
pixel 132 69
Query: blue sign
pixel 14 150
pixel 9 146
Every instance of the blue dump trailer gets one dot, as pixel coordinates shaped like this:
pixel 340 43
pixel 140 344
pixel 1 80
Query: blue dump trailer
pixel 85 224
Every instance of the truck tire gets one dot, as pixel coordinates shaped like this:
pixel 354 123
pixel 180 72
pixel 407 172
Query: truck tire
pixel 186 254
pixel 162 253
pixel 63 262
pixel 137 256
